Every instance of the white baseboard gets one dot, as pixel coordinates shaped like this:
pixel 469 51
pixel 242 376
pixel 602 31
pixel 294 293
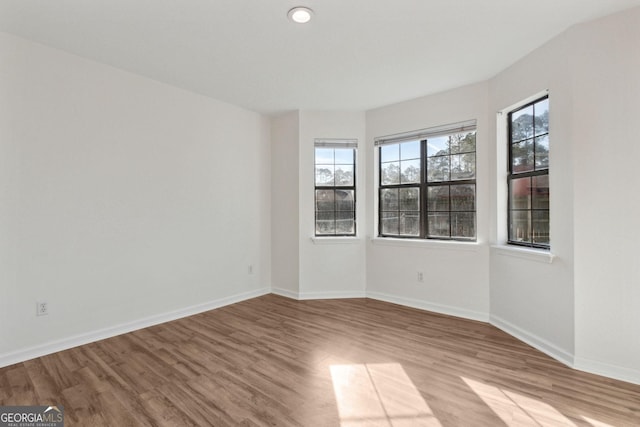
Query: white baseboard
pixel 284 293
pixel 607 370
pixel 428 306
pixel 534 341
pixel 331 295
pixel 86 338
pixel 318 295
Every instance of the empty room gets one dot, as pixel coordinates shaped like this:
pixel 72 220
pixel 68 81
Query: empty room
pixel 319 213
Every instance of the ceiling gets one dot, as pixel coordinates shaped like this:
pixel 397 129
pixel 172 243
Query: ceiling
pixel 354 55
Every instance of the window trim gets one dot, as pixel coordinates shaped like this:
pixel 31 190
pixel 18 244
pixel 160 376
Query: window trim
pixel 524 252
pixel 431 132
pixel 429 244
pixel 423 185
pixel 529 174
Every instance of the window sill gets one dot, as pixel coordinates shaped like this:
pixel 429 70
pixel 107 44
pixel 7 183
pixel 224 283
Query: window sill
pixel 335 240
pixel 427 244
pixel 538 255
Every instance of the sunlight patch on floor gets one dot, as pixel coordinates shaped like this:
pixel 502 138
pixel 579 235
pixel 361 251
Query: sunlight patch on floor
pixel 596 423
pixel 518 410
pixel 380 394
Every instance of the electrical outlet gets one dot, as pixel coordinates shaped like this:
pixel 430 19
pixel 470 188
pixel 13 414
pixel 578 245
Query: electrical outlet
pixel 250 269
pixel 420 277
pixel 42 308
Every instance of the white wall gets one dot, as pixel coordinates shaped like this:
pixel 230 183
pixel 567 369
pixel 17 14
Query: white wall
pixel 584 308
pixel 606 92
pixel 121 199
pixel 456 275
pixel 530 297
pixel 330 267
pixel 285 135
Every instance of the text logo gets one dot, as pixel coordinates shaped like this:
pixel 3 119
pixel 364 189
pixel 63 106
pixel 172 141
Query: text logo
pixel 31 416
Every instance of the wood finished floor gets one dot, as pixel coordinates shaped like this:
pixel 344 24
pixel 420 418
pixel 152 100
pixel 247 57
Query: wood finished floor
pixel 279 362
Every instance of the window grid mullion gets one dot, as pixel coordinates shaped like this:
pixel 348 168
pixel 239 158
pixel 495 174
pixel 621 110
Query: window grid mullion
pixel 424 206
pixel 534 148
pixel 530 209
pixel 335 203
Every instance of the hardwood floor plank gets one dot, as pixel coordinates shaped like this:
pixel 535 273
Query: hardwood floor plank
pixel 163 411
pixel 17 386
pixel 272 361
pixel 44 385
pixel 114 412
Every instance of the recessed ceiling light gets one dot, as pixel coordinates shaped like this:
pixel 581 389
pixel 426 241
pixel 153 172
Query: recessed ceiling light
pixel 300 15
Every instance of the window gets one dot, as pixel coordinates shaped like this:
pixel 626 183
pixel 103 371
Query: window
pixel 428 184
pixel 528 177
pixel 335 187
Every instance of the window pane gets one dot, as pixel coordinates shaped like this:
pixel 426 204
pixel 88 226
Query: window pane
pixel 541 227
pixel 325 222
pixel 463 225
pixel 463 166
pixel 324 156
pixel 528 181
pixel 463 143
pixel 325 200
pixel 390 223
pixel 542 116
pixel 438 198
pixel 438 224
pixel 344 156
pixel 324 175
pixel 437 163
pixel 410 150
pixel 410 171
pixel 542 152
pixel 410 223
pixel 390 153
pixel 344 175
pixel 540 192
pixel 522 124
pixel 438 169
pixel 389 199
pixel 520 226
pixel 390 173
pixel 345 223
pixel 463 197
pixel 438 146
pixel 522 156
pixel 409 199
pixel 520 193
pixel 344 200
